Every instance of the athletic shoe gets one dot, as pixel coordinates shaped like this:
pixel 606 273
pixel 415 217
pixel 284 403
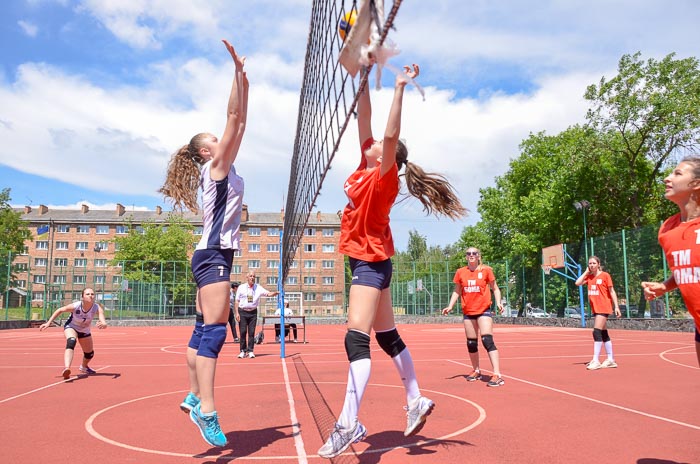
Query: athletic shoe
pixel 277 339
pixel 415 416
pixel 474 375
pixel 241 355
pixel 236 340
pixel 251 355
pixel 189 402
pixel 593 365
pixel 87 370
pixel 295 341
pixel 66 373
pixel 340 438
pixel 608 363
pixel 208 426
pixel 495 381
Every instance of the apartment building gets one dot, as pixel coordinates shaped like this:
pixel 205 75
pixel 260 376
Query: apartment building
pixel 72 249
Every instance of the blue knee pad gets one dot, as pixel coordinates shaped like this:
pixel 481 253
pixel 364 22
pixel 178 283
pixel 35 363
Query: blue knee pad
pixel 356 345
pixel 487 341
pixel 213 338
pixel 70 343
pixel 390 341
pixel 597 335
pixel 472 345
pixel 196 337
pixel 606 337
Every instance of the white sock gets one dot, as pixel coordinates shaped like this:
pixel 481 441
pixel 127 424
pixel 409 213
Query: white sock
pixel 358 377
pixel 608 349
pixel 404 364
pixel 596 350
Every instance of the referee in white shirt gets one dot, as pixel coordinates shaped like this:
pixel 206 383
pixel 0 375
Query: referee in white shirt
pixel 246 309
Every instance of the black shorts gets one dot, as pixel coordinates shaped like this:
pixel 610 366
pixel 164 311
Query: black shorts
pixel 211 266
pixel 376 275
pixel 486 313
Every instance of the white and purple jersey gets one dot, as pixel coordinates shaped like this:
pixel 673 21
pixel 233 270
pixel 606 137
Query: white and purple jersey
pixel 81 318
pixel 222 204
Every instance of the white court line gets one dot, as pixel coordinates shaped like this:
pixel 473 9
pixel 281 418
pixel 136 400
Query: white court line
pixel 604 403
pixel 45 387
pixel 298 441
pixel 662 355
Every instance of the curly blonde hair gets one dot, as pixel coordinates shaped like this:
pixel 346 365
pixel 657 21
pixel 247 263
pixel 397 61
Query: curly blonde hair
pixel 433 190
pixel 182 180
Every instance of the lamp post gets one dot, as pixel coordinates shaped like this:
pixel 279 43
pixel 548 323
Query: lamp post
pixel 583 205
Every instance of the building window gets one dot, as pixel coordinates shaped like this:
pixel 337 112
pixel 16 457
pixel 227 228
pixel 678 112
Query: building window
pixel 328 280
pixel 76 296
pixel 81 245
pixel 101 246
pixel 309 264
pixel 329 248
pixel 254 231
pixel 273 264
pixel 140 230
pixel 237 253
pixel 25 251
pixel 292 280
pixel 199 230
pixel 40 262
pixel 122 230
pixel 59 279
pixel 21 267
pixel 254 247
pixel 60 262
pixel 309 248
pixel 80 262
pixel 308 280
pixel 117 246
pixel 39 278
pixel 309 232
pixel 102 230
pixel 61 245
pixel 328 296
pixel 309 296
pixel 236 269
pixel 63 228
pixel 38 296
pixel 327 232
pixel 99 279
pixel 271 280
pixel 21 283
pixel 79 279
pixel 294 264
pixel 100 263
pixel 273 247
pixel 42 245
pixel 328 264
pixel 116 280
pixel 273 231
pixel 254 264
pixel 83 229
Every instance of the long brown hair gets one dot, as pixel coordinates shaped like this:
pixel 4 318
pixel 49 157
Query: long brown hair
pixel 431 189
pixel 182 180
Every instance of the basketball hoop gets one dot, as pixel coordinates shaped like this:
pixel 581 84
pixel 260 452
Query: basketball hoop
pixel 546 268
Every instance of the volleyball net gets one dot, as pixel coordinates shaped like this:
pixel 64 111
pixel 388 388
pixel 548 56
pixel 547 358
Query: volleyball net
pixel 326 105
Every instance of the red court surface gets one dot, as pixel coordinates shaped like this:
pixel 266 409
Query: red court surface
pixel 550 410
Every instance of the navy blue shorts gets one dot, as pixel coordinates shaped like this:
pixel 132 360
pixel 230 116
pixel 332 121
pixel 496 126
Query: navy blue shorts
pixel 211 266
pixel 473 317
pixel 697 335
pixel 376 275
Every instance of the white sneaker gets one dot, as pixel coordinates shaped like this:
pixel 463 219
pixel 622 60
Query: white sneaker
pixel 415 416
pixel 251 355
pixel 241 355
pixel 593 365
pixel 340 438
pixel 608 363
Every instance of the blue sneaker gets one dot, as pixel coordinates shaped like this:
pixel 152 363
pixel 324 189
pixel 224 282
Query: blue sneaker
pixel 208 426
pixel 189 402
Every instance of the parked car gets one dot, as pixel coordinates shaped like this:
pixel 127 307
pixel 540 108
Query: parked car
pixel 537 312
pixel 573 313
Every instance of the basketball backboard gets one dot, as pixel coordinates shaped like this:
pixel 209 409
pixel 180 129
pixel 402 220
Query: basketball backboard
pixel 553 256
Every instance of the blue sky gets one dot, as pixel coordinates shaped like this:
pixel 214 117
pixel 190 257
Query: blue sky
pixel 95 95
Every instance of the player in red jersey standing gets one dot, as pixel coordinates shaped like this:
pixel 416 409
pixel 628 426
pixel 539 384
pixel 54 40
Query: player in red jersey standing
pixel 679 236
pixel 603 300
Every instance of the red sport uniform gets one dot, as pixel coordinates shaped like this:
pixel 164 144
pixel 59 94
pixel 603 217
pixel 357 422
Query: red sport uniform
pixel 681 244
pixel 476 289
pixel 364 231
pixel 599 292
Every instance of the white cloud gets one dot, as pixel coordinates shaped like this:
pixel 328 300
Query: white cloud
pixel 28 28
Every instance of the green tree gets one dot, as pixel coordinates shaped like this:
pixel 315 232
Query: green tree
pixel 13 233
pixel 417 245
